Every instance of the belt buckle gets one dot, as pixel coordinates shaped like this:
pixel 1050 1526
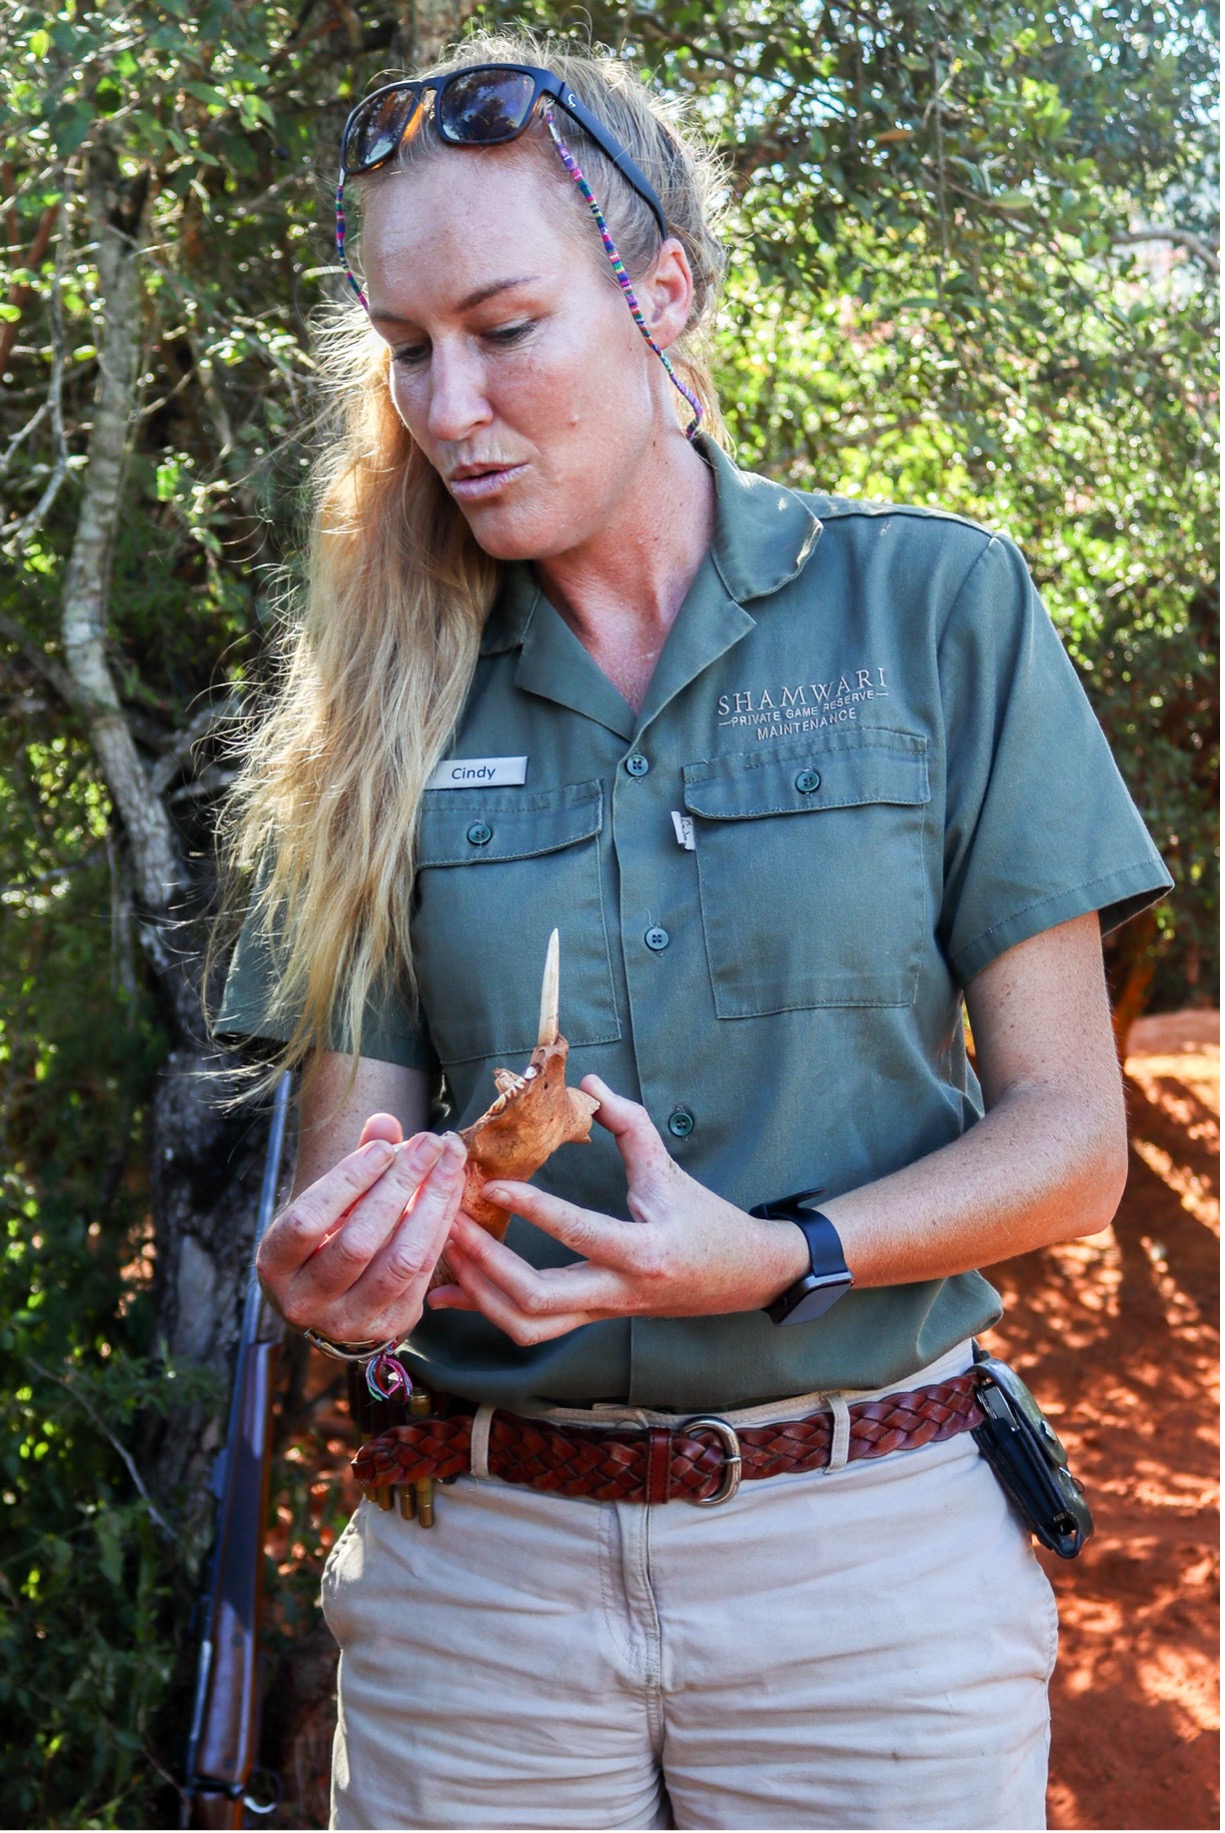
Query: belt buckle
pixel 732 1462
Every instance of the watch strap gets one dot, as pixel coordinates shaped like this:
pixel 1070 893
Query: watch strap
pixel 828 1275
pixel 824 1244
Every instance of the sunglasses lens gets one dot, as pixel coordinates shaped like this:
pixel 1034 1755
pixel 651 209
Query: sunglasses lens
pixel 482 107
pixel 375 129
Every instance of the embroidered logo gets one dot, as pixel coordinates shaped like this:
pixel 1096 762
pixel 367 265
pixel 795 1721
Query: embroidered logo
pixel 805 707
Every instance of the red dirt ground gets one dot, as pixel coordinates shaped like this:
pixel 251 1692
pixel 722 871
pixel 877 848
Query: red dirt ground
pixel 1117 1335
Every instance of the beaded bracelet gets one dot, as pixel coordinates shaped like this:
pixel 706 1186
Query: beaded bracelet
pixel 386 1375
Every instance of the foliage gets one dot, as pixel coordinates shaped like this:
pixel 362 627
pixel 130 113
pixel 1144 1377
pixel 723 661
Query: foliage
pixel 938 295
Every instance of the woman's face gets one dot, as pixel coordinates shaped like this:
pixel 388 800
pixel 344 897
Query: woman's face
pixel 515 363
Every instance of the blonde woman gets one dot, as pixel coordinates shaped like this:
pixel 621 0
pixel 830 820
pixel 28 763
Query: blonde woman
pixel 794 777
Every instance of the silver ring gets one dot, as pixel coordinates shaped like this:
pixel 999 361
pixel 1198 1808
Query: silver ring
pixel 733 1464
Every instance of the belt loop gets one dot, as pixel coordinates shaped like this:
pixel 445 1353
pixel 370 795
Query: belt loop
pixel 657 1484
pixel 482 1419
pixel 840 1443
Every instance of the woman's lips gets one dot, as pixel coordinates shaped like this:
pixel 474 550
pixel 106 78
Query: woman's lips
pixel 479 485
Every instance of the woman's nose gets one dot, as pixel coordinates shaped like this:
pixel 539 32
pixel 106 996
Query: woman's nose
pixel 458 402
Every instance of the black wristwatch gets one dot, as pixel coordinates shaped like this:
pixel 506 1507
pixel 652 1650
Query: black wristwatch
pixel 828 1277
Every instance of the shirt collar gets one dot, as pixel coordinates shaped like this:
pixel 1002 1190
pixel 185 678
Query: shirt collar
pixel 764 535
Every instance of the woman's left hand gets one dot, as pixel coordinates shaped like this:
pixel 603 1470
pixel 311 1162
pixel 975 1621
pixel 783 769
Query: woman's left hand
pixel 686 1253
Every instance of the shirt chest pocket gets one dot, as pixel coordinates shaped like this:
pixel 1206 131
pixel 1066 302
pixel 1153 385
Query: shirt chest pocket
pixel 811 871
pixel 498 870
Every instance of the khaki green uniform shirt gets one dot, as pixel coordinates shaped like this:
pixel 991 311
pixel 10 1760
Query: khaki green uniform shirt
pixel 866 724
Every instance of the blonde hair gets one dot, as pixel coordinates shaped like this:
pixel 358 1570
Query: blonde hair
pixel 320 827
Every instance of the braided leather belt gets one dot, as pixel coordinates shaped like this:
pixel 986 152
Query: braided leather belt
pixel 701 1461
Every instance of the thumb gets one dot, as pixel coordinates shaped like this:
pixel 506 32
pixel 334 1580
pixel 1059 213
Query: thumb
pixel 382 1126
pixel 643 1151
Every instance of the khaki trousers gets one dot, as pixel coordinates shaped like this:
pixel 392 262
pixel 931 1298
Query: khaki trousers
pixel 864 1647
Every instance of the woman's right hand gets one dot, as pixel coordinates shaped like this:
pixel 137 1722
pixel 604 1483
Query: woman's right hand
pixel 352 1255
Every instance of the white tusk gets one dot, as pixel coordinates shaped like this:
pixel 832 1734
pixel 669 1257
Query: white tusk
pixel 550 993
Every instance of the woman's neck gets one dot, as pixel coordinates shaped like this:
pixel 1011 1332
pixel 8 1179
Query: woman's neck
pixel 620 592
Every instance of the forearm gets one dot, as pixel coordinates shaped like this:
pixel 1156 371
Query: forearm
pixel 1045 1165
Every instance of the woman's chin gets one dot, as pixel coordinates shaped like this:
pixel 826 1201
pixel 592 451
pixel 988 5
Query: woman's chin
pixel 513 532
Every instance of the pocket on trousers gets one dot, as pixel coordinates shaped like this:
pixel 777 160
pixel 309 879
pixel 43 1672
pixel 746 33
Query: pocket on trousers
pixel 331 1580
pixel 499 869
pixel 811 871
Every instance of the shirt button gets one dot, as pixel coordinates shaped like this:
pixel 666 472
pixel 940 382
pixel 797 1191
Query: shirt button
pixel 807 781
pixel 636 764
pixel 656 939
pixel 480 833
pixel 680 1123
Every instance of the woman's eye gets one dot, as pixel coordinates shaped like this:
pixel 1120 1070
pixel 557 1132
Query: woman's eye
pixel 511 334
pixel 410 356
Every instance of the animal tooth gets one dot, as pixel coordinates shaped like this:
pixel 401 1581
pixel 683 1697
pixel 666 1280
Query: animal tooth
pixel 550 992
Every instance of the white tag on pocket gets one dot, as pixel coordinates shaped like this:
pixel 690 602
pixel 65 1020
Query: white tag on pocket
pixel 682 826
pixel 478 772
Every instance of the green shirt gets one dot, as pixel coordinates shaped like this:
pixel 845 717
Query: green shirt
pixel 890 774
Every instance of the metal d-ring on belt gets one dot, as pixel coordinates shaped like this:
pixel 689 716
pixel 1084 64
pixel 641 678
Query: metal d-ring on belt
pixel 703 1460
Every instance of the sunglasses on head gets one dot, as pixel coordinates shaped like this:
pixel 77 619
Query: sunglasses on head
pixel 489 105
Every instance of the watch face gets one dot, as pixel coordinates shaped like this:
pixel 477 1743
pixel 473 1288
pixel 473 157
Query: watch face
pixel 816 1303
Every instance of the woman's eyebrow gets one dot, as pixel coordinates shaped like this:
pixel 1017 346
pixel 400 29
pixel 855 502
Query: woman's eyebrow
pixel 468 303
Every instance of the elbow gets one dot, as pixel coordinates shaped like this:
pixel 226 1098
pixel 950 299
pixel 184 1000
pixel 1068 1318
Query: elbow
pixel 1100 1161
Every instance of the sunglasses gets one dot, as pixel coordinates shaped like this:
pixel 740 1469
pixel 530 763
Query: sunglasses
pixel 489 105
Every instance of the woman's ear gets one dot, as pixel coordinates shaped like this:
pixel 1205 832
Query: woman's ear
pixel 669 294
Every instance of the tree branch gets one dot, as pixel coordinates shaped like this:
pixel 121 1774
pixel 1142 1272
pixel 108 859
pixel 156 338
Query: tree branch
pixel 43 664
pixel 155 854
pixel 155 1514
pixel 178 753
pixel 21 533
pixel 21 295
pixel 1182 238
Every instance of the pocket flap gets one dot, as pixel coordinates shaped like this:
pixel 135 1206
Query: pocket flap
pixel 835 770
pixel 470 827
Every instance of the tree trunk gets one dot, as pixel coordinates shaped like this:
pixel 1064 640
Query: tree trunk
pixel 204 1163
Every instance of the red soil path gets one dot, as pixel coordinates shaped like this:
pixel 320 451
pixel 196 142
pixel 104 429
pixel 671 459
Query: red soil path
pixel 1118 1337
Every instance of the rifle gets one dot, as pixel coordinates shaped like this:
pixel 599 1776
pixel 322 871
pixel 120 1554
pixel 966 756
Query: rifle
pixel 223 1741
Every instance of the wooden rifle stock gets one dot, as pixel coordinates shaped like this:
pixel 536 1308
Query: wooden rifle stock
pixel 223 1742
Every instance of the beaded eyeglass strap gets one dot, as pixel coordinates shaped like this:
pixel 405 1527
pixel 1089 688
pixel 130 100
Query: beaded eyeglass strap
pixel 618 266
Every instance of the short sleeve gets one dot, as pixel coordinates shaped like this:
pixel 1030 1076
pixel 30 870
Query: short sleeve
pixel 392 1032
pixel 1039 825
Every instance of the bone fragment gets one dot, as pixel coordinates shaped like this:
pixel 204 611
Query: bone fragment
pixel 533 1114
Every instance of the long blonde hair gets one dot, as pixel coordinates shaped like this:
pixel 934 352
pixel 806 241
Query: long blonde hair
pixel 320 829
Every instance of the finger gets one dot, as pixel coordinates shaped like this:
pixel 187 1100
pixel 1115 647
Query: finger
pixel 297 1232
pixel 536 1291
pixel 407 1261
pixel 596 1237
pixel 382 1126
pixel 340 1261
pixel 487 1297
pixel 449 1298
pixel 638 1141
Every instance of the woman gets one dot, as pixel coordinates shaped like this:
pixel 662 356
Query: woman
pixel 794 777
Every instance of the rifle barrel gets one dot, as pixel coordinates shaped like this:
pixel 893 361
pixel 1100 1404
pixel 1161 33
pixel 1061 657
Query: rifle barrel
pixel 222 1743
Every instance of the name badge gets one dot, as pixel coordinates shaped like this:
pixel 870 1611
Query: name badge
pixel 478 772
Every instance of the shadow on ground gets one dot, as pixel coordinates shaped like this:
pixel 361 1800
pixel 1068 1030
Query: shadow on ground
pixel 1118 1337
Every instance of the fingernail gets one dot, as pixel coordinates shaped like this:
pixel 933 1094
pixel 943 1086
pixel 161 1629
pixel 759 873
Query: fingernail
pixel 454 1148
pixel 378 1152
pixel 425 1151
pixel 496 1194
